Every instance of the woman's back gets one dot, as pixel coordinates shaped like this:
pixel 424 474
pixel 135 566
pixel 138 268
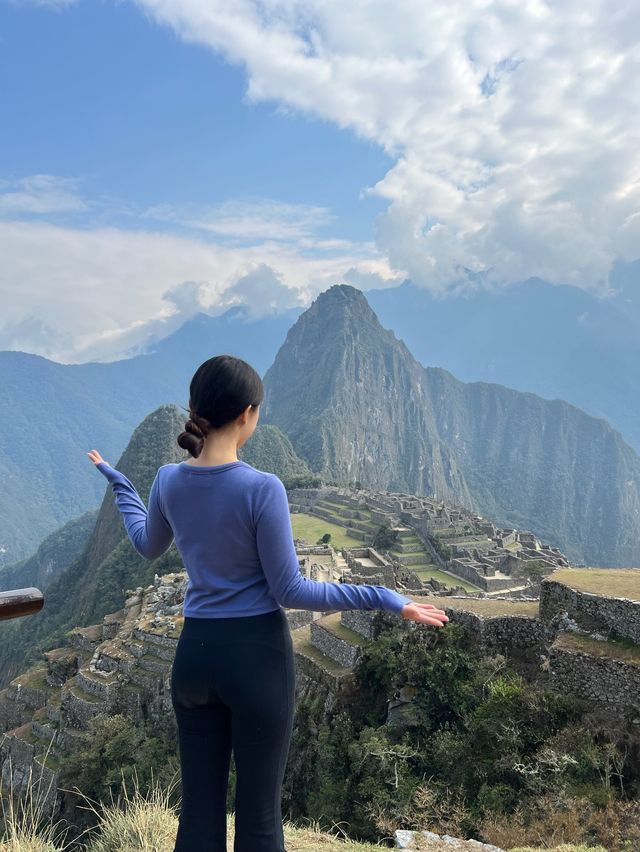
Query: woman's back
pixel 232 528
pixel 212 511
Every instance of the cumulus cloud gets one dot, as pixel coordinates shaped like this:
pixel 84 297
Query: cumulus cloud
pixel 515 127
pixel 107 292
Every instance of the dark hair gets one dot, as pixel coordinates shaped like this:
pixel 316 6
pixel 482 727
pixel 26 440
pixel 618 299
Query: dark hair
pixel 220 390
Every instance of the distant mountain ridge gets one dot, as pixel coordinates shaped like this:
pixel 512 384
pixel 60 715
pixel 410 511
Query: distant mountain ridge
pixel 557 341
pixel 66 410
pixel 52 414
pixel 101 561
pixel 357 405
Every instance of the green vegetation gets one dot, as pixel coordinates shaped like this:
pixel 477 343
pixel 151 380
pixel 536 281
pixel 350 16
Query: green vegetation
pixel 488 607
pixel 311 528
pixel 479 752
pixel 618 649
pixel 441 548
pixel 117 753
pixel 385 537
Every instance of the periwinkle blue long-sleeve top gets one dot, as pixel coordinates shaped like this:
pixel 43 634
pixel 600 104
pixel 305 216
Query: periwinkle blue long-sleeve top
pixel 232 529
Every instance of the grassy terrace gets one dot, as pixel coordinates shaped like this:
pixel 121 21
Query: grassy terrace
pixel 618 649
pixel 334 625
pixel 312 528
pixel 302 645
pixel 449 580
pixel 487 607
pixel 34 678
pixel 613 582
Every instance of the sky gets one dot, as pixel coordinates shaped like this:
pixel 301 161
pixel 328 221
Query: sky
pixel 162 157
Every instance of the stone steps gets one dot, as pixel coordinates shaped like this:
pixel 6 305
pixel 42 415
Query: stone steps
pixel 144 679
pixel 78 707
pixel 151 661
pixel 71 739
pixel 162 645
pixel 85 638
pixel 100 686
pixel 417 559
pixel 359 621
pixel 114 658
pixel 44 731
pixel 411 547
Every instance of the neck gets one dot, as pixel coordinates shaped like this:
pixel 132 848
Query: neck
pixel 218 451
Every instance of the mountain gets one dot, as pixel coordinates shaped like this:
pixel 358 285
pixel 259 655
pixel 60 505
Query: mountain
pixel 86 566
pixel 271 450
pixel 350 397
pixel 557 341
pixel 52 557
pixel 357 405
pixel 52 414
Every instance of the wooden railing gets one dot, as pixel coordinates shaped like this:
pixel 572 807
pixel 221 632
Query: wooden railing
pixel 18 602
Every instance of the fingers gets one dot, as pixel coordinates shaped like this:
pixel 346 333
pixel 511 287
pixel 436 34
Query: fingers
pixel 432 610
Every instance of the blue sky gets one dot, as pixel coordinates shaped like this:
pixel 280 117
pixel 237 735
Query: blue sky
pixel 164 157
pixel 100 92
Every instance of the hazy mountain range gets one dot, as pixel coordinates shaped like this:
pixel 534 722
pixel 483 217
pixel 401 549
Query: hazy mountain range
pixel 357 405
pixel 85 567
pixel 54 413
pixel 556 341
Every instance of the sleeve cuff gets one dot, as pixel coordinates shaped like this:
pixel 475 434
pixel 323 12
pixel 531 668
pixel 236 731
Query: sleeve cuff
pixel 107 471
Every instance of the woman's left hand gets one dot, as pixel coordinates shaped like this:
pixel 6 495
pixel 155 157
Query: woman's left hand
pixel 96 458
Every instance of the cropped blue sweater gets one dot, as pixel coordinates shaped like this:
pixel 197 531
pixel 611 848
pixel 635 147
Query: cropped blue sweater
pixel 232 529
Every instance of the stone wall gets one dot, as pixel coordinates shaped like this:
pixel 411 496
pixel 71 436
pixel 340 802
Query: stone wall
pixel 22 773
pixel 299 617
pixel 466 572
pixel 332 646
pixel 595 613
pixel 502 633
pixel 359 620
pixel 608 681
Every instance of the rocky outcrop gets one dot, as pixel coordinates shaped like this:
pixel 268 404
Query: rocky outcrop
pixel 123 665
pixel 357 406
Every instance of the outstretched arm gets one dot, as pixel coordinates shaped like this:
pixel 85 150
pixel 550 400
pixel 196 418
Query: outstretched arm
pixel 274 539
pixel 149 530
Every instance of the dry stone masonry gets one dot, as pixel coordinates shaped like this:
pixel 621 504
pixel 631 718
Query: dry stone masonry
pixel 123 665
pixel 476 551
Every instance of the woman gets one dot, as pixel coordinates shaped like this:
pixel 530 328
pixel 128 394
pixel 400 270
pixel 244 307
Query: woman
pixel 233 675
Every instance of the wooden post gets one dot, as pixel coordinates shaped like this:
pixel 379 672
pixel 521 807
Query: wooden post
pixel 18 602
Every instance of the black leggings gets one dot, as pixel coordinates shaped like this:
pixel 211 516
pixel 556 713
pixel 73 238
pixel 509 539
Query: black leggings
pixel 233 686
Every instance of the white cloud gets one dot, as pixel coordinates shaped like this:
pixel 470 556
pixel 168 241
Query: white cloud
pixel 105 293
pixel 40 194
pixel 50 4
pixel 250 220
pixel 515 126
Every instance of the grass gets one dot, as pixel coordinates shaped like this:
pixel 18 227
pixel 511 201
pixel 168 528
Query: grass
pixel 449 580
pixel 302 645
pixel 487 607
pixel 334 625
pixel 312 528
pixel 618 649
pixel 139 822
pixel 35 678
pixel 612 582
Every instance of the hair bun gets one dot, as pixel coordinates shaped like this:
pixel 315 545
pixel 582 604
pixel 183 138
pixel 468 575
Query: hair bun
pixel 193 427
pixel 192 439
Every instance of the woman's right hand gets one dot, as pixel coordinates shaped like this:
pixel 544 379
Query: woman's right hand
pixel 424 613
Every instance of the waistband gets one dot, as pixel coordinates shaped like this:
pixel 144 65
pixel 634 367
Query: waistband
pixel 239 625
